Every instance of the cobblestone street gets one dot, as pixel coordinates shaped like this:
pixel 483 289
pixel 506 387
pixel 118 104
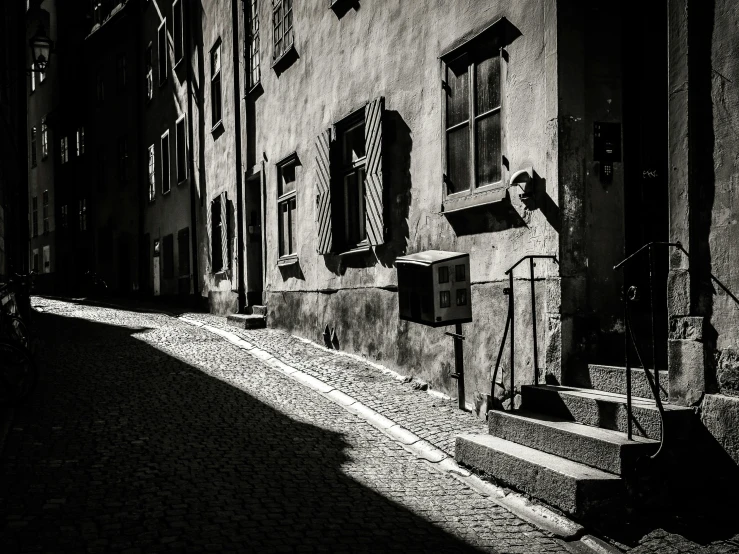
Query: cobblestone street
pixel 147 434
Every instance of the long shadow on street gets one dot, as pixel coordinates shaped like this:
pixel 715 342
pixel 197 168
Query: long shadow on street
pixel 123 446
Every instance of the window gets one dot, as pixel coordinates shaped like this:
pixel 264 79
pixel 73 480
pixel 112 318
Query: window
pixel 168 246
pixel 162 51
pixel 64 150
pixel 33 77
pixel 80 141
pixel 350 205
pixel 181 150
pixel 100 86
pixel 183 252
pixel 121 72
pixel 353 158
pixel 34 216
pixel 45 212
pixel 64 216
pixel 286 205
pixel 215 84
pixel 149 73
pixel 33 147
pixel 83 214
pixel 165 163
pixel 122 159
pixel 42 76
pixel 47 259
pixel 152 173
pixel 251 46
pixel 35 259
pixel 218 227
pixel 44 139
pixel 282 21
pixel 177 31
pixel 472 129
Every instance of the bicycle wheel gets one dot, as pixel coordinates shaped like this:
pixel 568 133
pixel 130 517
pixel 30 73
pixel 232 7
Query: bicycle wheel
pixel 18 372
pixel 15 330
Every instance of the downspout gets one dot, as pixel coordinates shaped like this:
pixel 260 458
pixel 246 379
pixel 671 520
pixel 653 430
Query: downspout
pixel 195 268
pixel 237 145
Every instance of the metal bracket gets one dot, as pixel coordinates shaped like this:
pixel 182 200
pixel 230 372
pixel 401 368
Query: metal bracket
pixel 455 335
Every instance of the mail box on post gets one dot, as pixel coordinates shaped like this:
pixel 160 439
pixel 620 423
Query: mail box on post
pixel 434 288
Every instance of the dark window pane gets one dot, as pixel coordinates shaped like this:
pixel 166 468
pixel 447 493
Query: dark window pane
pixel 488 149
pixel 443 274
pixel 458 159
pixel 293 229
pixel 354 146
pixel 457 104
pixel 459 272
pixel 487 84
pixel 444 299
pixel 287 179
pixel 461 297
pixel 216 250
pixel 284 233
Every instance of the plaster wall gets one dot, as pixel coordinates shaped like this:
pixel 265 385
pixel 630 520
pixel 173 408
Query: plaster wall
pixel 392 51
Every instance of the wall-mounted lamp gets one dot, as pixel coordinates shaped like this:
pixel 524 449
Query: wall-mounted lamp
pixel 524 180
pixel 41 46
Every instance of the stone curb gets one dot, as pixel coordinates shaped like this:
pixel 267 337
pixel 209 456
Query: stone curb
pixel 535 514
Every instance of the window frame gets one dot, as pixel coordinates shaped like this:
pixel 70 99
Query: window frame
pixel 286 198
pixel 278 13
pixel 149 64
pixel 168 167
pixel 34 154
pixel 344 170
pixel 152 172
pixel 35 259
pixel 252 55
pixel 46 258
pixel 45 212
pixel 216 234
pixel 216 75
pixel 162 60
pixel 178 35
pixel 181 150
pixel 64 150
pixel 476 194
pixel 44 139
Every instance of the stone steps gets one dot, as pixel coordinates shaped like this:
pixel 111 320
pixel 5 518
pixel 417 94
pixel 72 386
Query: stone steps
pixel 603 449
pixel 613 379
pixel 247 321
pixel 603 409
pixel 572 487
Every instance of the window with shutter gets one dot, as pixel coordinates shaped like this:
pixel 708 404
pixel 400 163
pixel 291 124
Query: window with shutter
pixel 218 231
pixel 286 206
pixel 162 51
pixel 374 190
pixel 225 258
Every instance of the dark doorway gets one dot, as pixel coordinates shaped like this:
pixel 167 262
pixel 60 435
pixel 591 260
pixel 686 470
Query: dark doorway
pixel 253 208
pixel 645 171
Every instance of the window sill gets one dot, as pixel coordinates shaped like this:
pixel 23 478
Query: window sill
pixel 162 83
pixel 166 192
pixel 178 63
pixel 363 249
pixel 284 60
pixel 254 88
pixel 182 181
pixel 471 200
pixel 292 259
pixel 218 127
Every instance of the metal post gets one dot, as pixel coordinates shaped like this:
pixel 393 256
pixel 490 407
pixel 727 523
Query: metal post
pixel 533 322
pixel 628 365
pixel 513 336
pixel 654 329
pixel 459 364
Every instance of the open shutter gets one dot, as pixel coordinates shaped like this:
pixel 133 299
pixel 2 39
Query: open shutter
pixel 323 197
pixel 224 232
pixel 375 222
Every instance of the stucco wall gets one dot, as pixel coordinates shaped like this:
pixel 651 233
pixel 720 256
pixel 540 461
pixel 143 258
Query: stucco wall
pixel 392 51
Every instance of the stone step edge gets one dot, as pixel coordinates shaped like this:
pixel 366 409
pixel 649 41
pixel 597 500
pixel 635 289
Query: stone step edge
pixel 537 515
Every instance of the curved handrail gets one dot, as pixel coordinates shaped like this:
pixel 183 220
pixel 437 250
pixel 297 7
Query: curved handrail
pixel 532 256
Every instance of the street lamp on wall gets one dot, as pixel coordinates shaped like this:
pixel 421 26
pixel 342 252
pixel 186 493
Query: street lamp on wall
pixel 40 50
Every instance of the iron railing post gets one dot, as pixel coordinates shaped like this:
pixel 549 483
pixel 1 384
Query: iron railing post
pixel 654 328
pixel 533 322
pixel 628 365
pixel 459 364
pixel 511 307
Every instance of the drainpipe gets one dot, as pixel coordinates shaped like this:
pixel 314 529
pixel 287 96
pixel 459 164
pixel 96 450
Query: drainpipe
pixel 237 145
pixel 195 268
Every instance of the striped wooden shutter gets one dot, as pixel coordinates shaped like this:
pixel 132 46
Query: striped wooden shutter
pixel 375 222
pixel 323 197
pixel 224 232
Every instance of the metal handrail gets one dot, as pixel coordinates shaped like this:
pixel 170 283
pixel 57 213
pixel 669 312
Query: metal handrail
pixel 510 323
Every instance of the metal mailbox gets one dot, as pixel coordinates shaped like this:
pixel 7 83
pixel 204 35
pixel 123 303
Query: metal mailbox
pixel 434 288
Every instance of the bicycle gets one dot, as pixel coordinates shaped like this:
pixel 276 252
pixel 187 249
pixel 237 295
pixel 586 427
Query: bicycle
pixel 18 373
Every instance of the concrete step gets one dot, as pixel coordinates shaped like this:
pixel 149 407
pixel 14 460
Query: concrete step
pixel 603 449
pixel 257 310
pixel 572 487
pixel 605 409
pixel 613 379
pixel 247 321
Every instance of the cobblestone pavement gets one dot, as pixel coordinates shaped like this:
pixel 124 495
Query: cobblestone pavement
pixel 147 434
